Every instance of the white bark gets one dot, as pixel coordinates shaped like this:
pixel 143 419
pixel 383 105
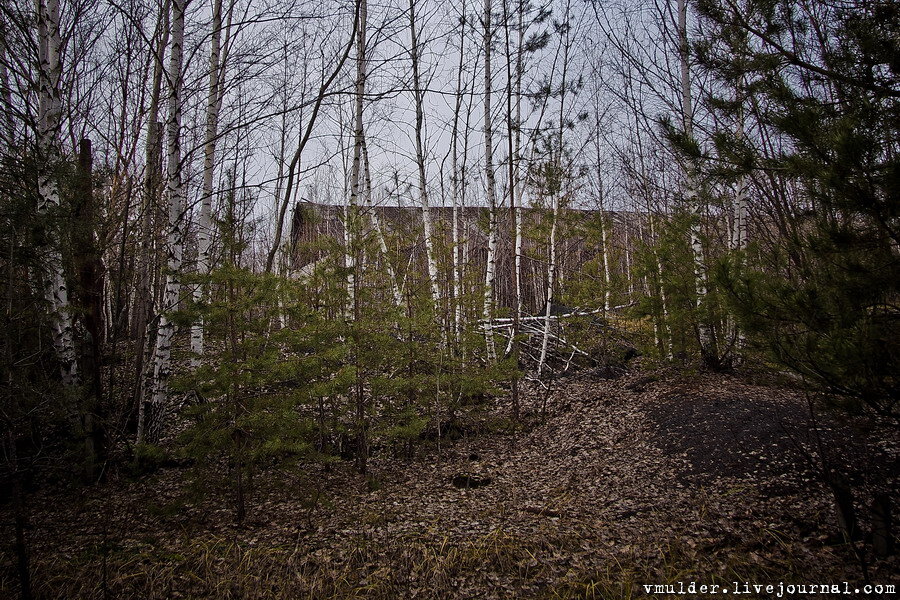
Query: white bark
pixel 161 369
pixel 738 236
pixel 520 69
pixel 456 183
pixel 56 291
pixel 691 195
pixel 153 160
pixel 356 169
pixel 557 193
pixel 604 240
pixel 664 309
pixel 551 276
pixel 628 269
pixel 491 191
pixel 379 232
pixel 205 230
pixel 419 96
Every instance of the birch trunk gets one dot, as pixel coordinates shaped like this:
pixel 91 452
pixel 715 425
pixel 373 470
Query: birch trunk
pixel 601 201
pixel 511 140
pixel 551 275
pixel 356 168
pixel 379 232
pixel 628 269
pixel 205 232
pixel 738 239
pixel 419 95
pixel 604 240
pixel 351 228
pixel 161 369
pixel 456 183
pixel 295 161
pixel 557 192
pixel 153 161
pixel 56 291
pixel 691 196
pixel 739 227
pixel 491 191
pixel 517 152
pixel 664 309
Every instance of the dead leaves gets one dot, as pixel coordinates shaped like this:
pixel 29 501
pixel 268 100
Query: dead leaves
pixel 648 476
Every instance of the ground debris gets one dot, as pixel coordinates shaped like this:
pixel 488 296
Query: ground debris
pixel 650 477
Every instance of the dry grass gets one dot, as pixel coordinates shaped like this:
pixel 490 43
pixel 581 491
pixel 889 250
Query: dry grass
pixel 496 565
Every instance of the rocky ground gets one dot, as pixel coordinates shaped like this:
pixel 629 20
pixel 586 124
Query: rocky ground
pixel 654 477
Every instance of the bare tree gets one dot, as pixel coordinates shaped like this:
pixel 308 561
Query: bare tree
pixel 161 363
pixel 490 271
pixel 56 290
pixel 419 99
pixel 215 95
pixel 323 91
pixel 151 190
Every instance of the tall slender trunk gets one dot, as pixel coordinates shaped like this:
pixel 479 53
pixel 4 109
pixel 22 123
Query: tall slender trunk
pixel 517 152
pixel 89 299
pixel 664 308
pixel 356 168
pixel 56 291
pixel 604 242
pixel 691 195
pixel 628 254
pixel 738 234
pixel 456 183
pixel 161 369
pixel 204 229
pixel 739 206
pixel 379 232
pixel 153 162
pixel 601 205
pixel 352 227
pixel 491 191
pixel 557 190
pixel 419 96
pixel 551 276
pixel 513 164
pixel 9 123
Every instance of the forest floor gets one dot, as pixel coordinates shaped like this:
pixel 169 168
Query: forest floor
pixel 656 477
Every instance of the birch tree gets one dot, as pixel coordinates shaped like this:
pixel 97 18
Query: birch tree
pixel 379 232
pixel 490 271
pixel 214 99
pixel 162 355
pixel 555 183
pixel 691 193
pixel 351 227
pixel 458 165
pixel 294 166
pixel 49 112
pixel 150 192
pixel 419 98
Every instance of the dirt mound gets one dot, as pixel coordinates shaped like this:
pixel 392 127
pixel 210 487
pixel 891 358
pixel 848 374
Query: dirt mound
pixel 722 426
